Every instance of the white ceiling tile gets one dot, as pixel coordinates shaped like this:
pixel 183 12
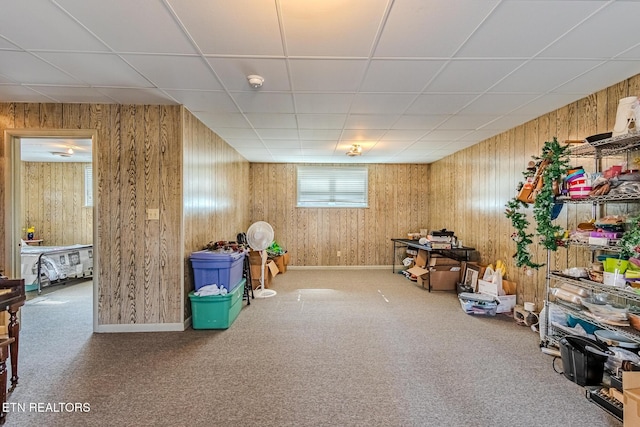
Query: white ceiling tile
pixel 283 145
pixel 523 28
pixel 264 102
pixel 498 103
pixel 633 53
pixel 175 72
pixel 320 134
pixel 7 80
pixel 472 75
pixel 136 96
pixel 328 85
pixel 601 77
pixel 423 121
pixel 26 68
pixel 74 94
pixel 278 134
pixel 368 121
pixel 323 102
pixel 205 100
pixel 549 102
pixel 390 147
pixel 7 45
pixel 467 121
pixel 542 75
pixel 403 135
pixel 233 73
pixel 16 93
pixel 477 136
pixel 215 120
pixel 331 27
pixel 321 121
pixel 317 145
pixel 240 27
pixel 97 69
pixel 399 76
pixel 26 21
pixel 440 103
pixel 127 26
pixel 619 17
pixel 334 75
pixel 272 120
pixel 354 135
pixel 430 28
pixel 381 103
pixel 445 135
pixel 506 122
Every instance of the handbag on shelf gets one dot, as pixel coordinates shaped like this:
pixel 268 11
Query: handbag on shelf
pixel 533 184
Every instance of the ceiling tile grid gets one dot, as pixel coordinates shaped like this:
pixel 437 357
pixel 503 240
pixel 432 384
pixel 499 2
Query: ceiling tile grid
pixel 409 80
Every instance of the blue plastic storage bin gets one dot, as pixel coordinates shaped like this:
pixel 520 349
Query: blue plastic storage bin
pixel 219 268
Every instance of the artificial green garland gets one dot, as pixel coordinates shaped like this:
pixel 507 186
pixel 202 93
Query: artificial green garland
pixel 557 155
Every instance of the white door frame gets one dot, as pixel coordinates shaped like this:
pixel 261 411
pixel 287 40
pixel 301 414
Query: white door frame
pixel 13 198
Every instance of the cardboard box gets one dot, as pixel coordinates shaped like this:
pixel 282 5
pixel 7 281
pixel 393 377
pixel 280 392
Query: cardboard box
pixel 507 302
pixel 282 262
pixel 435 260
pixel 444 277
pixel 270 270
pixel 631 397
pixel 421 258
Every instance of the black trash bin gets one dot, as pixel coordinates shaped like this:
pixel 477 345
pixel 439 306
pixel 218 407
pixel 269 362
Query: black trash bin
pixel 583 359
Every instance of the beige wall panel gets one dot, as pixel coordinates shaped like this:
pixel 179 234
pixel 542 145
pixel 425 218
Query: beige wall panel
pixel 215 195
pixel 69 222
pixel 588 116
pixel 126 293
pixel 314 236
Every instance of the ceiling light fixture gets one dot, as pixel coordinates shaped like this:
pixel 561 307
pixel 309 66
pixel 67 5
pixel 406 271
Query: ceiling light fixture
pixel 355 150
pixel 255 81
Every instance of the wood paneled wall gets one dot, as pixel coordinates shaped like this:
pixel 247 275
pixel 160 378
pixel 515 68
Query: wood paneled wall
pixel 473 185
pixel 216 199
pixel 138 167
pixel 53 203
pixel 398 204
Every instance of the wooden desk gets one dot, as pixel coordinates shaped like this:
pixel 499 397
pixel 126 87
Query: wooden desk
pixel 460 254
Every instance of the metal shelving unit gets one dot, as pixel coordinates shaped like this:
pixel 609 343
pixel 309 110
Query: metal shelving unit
pixel 597 150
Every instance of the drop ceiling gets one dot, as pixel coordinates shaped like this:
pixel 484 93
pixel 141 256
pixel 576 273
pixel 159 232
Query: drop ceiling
pixel 411 81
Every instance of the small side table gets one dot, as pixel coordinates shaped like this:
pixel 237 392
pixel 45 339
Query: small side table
pixel 34 241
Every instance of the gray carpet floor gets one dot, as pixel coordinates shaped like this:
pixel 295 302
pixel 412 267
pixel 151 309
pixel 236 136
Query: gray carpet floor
pixel 332 348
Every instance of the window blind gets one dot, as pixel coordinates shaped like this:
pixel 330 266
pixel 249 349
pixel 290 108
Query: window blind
pixel 327 186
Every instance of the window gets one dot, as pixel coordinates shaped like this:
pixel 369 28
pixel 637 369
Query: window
pixel 88 185
pixel 333 187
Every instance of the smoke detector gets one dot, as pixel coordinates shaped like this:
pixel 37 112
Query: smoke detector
pixel 255 81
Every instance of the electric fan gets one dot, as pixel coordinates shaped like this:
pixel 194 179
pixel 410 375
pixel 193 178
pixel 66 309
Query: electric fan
pixel 259 237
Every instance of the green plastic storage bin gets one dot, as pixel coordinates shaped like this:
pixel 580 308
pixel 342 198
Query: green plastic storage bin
pixel 216 311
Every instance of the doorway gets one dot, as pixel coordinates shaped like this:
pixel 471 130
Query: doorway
pixel 61 161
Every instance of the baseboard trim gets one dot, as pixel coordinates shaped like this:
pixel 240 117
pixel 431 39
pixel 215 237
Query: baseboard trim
pixel 338 267
pixel 146 327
